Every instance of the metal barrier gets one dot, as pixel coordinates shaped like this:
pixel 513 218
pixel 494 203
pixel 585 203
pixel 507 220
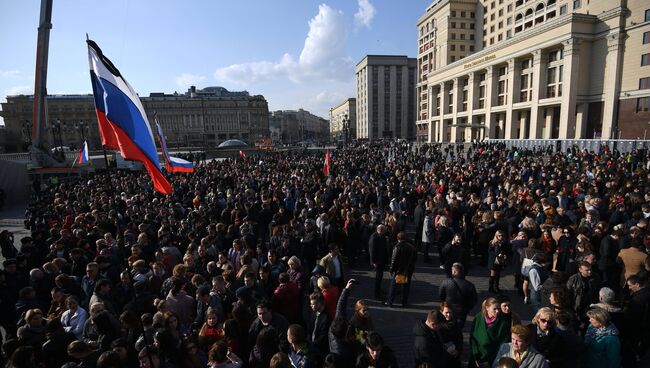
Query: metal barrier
pixel 592 145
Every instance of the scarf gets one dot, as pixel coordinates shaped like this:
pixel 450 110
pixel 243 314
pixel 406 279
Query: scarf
pixel 596 333
pixel 490 321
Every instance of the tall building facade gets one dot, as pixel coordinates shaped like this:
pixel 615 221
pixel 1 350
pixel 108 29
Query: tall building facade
pixel 386 101
pixel 300 126
pixel 532 69
pixel 343 121
pixel 198 118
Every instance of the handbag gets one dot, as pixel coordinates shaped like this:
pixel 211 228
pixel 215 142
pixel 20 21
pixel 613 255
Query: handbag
pixel 401 279
pixel 501 259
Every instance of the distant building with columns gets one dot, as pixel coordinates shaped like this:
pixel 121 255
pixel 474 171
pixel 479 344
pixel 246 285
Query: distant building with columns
pixel 343 121
pixel 533 69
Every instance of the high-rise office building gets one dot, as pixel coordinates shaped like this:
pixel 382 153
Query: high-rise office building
pixel 386 97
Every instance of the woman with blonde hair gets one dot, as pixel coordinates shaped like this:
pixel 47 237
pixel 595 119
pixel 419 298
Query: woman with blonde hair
pixel 498 251
pixel 521 350
pixel 296 273
pixel 545 337
pixel 603 346
pixel 330 295
pixel 490 329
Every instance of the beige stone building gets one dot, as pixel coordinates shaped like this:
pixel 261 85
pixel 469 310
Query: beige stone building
pixel 197 118
pixel 343 121
pixel 386 98
pixel 530 69
pixel 300 126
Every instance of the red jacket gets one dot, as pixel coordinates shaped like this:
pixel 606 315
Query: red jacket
pixel 286 301
pixel 330 297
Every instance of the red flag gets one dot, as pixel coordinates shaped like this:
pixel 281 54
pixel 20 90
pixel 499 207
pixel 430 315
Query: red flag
pixel 326 167
pixel 242 155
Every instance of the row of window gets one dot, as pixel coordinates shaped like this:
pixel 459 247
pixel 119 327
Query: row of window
pixel 461 48
pixel 462 14
pixel 461 25
pixel 461 36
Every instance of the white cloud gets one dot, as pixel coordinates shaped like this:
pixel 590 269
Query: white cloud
pixel 187 79
pixel 9 73
pixel 323 56
pixel 363 17
pixel 328 97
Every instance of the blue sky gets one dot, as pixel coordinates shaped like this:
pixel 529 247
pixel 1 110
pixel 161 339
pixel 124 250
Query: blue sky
pixel 297 53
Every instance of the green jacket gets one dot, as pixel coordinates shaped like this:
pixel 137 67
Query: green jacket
pixel 484 341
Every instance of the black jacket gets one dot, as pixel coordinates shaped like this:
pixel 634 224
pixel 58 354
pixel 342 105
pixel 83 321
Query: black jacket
pixel 459 293
pixel 403 260
pixel 345 351
pixel 637 315
pixel 378 248
pixel 317 332
pixel 428 348
pixel 550 345
pixel 386 359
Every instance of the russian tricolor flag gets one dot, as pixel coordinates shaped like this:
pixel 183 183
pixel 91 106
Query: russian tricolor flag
pixel 174 164
pixel 122 121
pixel 83 154
pixel 327 164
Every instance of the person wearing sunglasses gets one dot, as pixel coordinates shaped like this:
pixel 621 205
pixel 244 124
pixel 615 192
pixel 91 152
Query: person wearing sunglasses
pixel 545 337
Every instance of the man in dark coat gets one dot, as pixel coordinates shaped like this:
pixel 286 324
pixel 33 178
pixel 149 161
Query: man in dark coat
pixel 459 293
pixel 378 248
pixel 583 288
pixel 310 243
pixel 418 219
pixel 319 323
pixel 637 319
pixel 402 263
pixel 376 354
pixel 428 346
pixel 266 318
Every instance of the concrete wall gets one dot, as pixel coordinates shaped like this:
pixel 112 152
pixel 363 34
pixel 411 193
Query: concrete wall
pixel 14 181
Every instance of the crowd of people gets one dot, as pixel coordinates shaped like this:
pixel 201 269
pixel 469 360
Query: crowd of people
pixel 247 263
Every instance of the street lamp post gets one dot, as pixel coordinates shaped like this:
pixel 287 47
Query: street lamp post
pixel 28 132
pixel 82 128
pixel 346 128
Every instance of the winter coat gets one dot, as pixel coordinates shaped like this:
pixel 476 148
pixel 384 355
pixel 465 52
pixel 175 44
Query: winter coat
pixel 428 347
pixel 459 293
pixel 386 359
pixel 603 347
pixel 551 346
pixel 633 260
pixel 576 288
pixel 403 260
pixel 485 341
pixel 428 232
